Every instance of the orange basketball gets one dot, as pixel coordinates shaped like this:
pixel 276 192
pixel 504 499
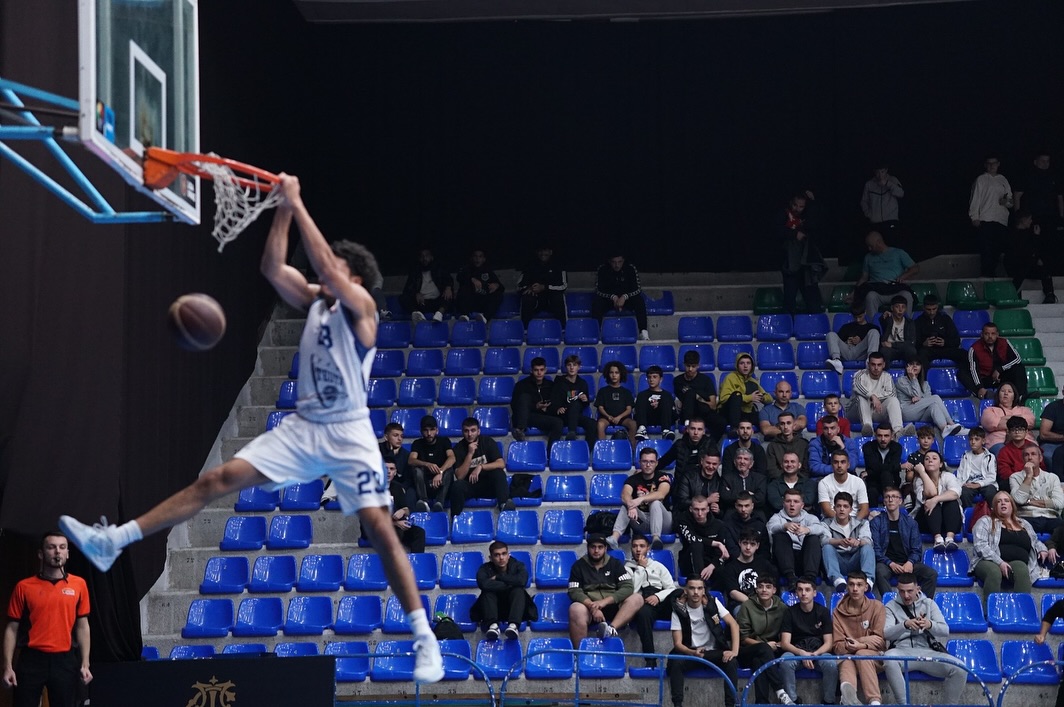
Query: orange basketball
pixel 197 321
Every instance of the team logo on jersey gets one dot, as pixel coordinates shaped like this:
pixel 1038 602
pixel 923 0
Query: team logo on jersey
pixel 328 383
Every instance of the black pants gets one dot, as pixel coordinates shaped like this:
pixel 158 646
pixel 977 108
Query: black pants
pixel 549 300
pixel 663 415
pixel 1017 376
pixel 927 354
pixel 993 238
pixel 645 618
pixel 59 672
pixel 574 418
pixel 487 303
pixel 897 350
pixel 413 538
pixel 768 682
pixel 787 557
pixel 507 605
pixel 637 304
pixel 792 283
pixel 526 414
pixel 926 577
pixel 490 484
pixel 677 669
pixel 430 307
pixel 733 412
pixel 945 518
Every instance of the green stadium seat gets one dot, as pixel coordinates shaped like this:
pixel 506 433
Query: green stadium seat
pixel 1003 295
pixel 921 290
pixel 1040 381
pixel 1014 322
pixel 1030 351
pixel 1037 405
pixel 962 295
pixel 840 294
pixel 768 300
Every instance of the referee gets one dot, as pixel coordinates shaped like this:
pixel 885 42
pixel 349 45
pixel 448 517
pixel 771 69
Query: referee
pixel 46 614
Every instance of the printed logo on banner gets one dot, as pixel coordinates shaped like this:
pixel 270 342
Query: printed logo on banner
pixel 213 694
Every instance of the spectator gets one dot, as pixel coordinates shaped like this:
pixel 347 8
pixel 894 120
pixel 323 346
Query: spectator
pixel 688 451
pixel 615 403
pixel 707 482
pixel 702 628
pixel 847 544
pixel 995 417
pixel 803 265
pixel 737 578
pixel 1055 612
pixel 938 493
pixel 807 631
pixel 411 536
pixel 702 539
pixel 992 362
pixel 411 479
pixel 898 341
pixel 503 602
pixel 1006 549
pixel 879 200
pixel 1037 493
pixel 833 406
pixel 781 402
pixel 788 440
pixel 830 440
pixel 1040 194
pixel 645 503
pixel 480 470
pixel 842 480
pixel 874 398
pixel 925 439
pixel 916 628
pixel 937 338
pixel 742 480
pixel 760 619
pixel 432 454
pixel 977 471
pixel 428 289
pixel 917 402
pixel 542 287
pixel 898 548
pixel 858 624
pixel 1010 457
pixel 883 460
pixel 654 407
pixel 988 208
pixel 795 534
pixel 1051 435
pixel 479 289
pixel 601 592
pixel 570 397
pixel 743 517
pixel 617 289
pixel 740 392
pixel 886 272
pixel 745 440
pixel 531 404
pixel 793 478
pixel 696 395
pixel 1025 258
pixel 653 581
pixel 854 340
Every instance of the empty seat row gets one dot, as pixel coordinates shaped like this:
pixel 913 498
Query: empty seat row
pixel 507 332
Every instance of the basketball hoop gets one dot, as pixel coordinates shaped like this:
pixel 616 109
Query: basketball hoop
pixel 241 191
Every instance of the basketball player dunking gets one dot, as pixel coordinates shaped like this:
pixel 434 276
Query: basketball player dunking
pixel 330 434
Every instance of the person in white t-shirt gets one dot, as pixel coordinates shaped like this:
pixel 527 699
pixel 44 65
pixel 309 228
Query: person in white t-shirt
pixel 702 628
pixel 842 480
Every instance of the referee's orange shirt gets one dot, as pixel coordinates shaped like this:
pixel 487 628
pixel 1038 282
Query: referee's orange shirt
pixel 49 610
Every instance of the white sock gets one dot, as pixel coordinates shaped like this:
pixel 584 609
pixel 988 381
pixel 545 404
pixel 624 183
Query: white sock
pixel 781 693
pixel 127 534
pixel 419 622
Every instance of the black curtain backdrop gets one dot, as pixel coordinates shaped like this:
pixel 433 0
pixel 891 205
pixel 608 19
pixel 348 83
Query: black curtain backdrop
pixel 678 139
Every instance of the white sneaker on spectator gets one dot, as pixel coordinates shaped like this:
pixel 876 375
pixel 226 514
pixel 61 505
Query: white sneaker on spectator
pixel 463 317
pixel 417 316
pixel 608 631
pixel 438 316
pixel 908 430
pixel 641 433
pixel 644 335
pixel 492 634
pixel 952 429
pixel 668 434
pixel 511 632
pixel 480 317
pixel 836 364
pixel 386 314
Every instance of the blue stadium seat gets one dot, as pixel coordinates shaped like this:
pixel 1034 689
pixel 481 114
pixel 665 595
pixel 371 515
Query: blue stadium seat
pixel 472 527
pixel 525 557
pixel 388 364
pixel 625 354
pixel 149 653
pixel 565 489
pixel 707 357
pixel 732 327
pixel 510 307
pixel 454 668
pixel 813 412
pixel 944 382
pixel 244 533
pixel 553 611
pixel 659 445
pixel 518 527
pixel 578 304
pixel 471 333
pixel 970 322
pixel 388 667
pixel 536 484
pixel 365 572
pixel 569 456
pixel 422 362
pixel 352 665
pixel 979 656
pixel 549 355
pixel 225 575
pixel 552 569
pixel 666 557
pixel 357 615
pixel 495 390
pixel 425 569
pixel 581 330
pixel 664 306
pixel 494 421
pixel 463 362
pixel 506 332
pixel 273 573
pixel 436 526
pixel 1012 612
pixel 457 607
pixel 775 327
pixel 589 358
pixel 563 527
pixel 244 649
pixel 275 417
pixel 847 382
pixel 257 499
pixel 726 354
pixel 208 618
pixel 606 489
pixel 769 379
pixel 395 616
pixel 910 443
pixel 775 356
pixel 287 396
pixel 790 598
pixel 1049 600
pixel 500 361
pixel 302 497
pixel 963 611
pixel 259 616
pixel 458 570
pixel 817 384
pixel 1017 655
pixel 289 532
pixel 378 418
pixel 417 392
pixel 320 573
pixel 952 567
pixel 457 391
pixel 955 447
pixel 544 332
pixel 431 335
pixel 449 419
pixel 811 327
pixel 612 455
pixel 812 355
pixel 605 659
pixel 619 330
pixel 191 652
pixel 663 355
pixel 695 330
pixel 309 616
pixel 549 666
pixel 963 411
pixel 592 385
pixel 840 320
pixel 410 419
pixel 381 392
pixel 526 456
pixel 393 335
pixel 497 657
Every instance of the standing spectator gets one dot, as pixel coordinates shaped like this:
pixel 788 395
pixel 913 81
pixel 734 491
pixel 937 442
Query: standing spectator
pixel 807 631
pixel 745 440
pixel 919 404
pixel 702 539
pixel 740 392
pixel 433 455
pixel 874 398
pixel 898 548
pixel 428 288
pixel 479 289
pixel 1051 435
pixel 781 403
pixel 1025 256
pixel 833 406
pixel 898 341
pixel 1037 493
pixel 531 404
pixel 793 478
pixel 977 471
pixel 883 460
pixel 601 592
pixel 696 395
pixel 788 440
pixel 688 452
pixel 617 289
pixel 847 545
pixel 503 602
pixel 993 361
pixel 743 517
pixel 842 480
pixel 879 200
pixel 760 620
pixel 1006 549
pixel 886 272
pixel 653 581
pixel 795 534
pixel 702 628
pixel 995 417
pixel 542 287
pixel 615 403
pixel 858 624
pixel 937 492
pixel 854 340
pixel 1010 459
pixel 737 578
pixel 1040 194
pixel 49 615
pixel 570 397
pixel 822 447
pixel 411 536
pixel 742 480
pixel 645 503
pixel 802 264
pixel 988 208
pixel 937 338
pixel 913 625
pixel 480 470
pixel 654 407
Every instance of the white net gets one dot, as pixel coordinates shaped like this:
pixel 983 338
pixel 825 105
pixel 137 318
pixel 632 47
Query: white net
pixel 236 205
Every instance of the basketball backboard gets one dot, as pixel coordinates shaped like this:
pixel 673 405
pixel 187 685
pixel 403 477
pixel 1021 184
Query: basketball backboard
pixel 139 87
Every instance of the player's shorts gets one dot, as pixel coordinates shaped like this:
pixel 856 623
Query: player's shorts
pixel 299 451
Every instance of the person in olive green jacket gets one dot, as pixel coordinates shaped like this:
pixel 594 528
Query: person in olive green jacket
pixel 760 621
pixel 739 391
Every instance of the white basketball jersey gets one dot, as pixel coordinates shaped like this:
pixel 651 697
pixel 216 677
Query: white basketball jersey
pixel 334 366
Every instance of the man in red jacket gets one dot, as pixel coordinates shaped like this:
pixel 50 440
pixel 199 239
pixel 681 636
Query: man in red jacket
pixel 993 361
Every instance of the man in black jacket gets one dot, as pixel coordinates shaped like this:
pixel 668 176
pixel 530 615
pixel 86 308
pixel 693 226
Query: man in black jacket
pixel 428 289
pixel 531 404
pixel 937 337
pixel 746 440
pixel 703 539
pixel 542 287
pixel 688 450
pixel 479 289
pixel 883 458
pixel 707 482
pixel 503 602
pixel 617 288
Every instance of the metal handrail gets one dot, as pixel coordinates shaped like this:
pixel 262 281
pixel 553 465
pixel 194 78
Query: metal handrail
pixel 1007 682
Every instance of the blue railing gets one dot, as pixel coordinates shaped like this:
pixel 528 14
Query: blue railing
pixel 1009 680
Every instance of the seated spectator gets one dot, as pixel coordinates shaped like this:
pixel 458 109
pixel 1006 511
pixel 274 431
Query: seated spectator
pixel 874 398
pixel 938 493
pixel 828 441
pixel 653 581
pixel 917 402
pixel 1051 436
pixel 707 482
pixel 745 440
pixel 795 534
pixel 745 516
pixel 847 545
pixel 428 289
pixel 1024 257
pixel 937 338
pixel 614 402
pixel 701 627
pixel 992 360
pixel 617 289
pixel 883 460
pixel 432 454
pixel 807 631
pixel 740 392
pixel 793 477
pixel 737 577
pixel 925 439
pixel 995 417
pixel 842 480
pixel 858 624
pixel 886 272
pixel 410 478
pixel 695 395
pixel 480 470
pixel 570 399
pixel 898 548
pixel 688 451
pixel 411 536
pixel 602 593
pixel 531 404
pixel 833 407
pixel 1037 493
pixel 645 503
pixel 542 287
pixel 1010 455
pixel 977 471
pixel 760 620
pixel 781 403
pixel 854 340
pixel 479 289
pixel 702 540
pixel 788 440
pixel 504 602
pixel 654 407
pixel 1007 551
pixel 898 340
pixel 743 480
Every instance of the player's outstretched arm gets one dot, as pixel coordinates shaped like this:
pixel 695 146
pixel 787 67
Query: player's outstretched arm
pixel 290 284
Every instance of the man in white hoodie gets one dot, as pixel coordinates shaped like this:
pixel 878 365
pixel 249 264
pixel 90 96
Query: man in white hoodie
pixel 874 398
pixel 654 581
pixel 988 208
pixel 794 534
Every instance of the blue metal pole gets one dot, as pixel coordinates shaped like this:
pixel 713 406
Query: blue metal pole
pixel 31 92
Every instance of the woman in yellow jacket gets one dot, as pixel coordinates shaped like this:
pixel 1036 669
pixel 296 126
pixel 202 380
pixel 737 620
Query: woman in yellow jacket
pixel 741 395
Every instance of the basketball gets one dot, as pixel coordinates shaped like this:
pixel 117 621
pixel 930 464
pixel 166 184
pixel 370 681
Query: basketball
pixel 197 321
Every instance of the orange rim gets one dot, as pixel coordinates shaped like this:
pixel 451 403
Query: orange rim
pixel 161 167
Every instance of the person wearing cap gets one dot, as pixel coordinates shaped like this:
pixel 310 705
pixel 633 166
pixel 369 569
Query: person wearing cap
pixel 854 340
pixel 601 591
pixel 898 340
pixel 432 454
